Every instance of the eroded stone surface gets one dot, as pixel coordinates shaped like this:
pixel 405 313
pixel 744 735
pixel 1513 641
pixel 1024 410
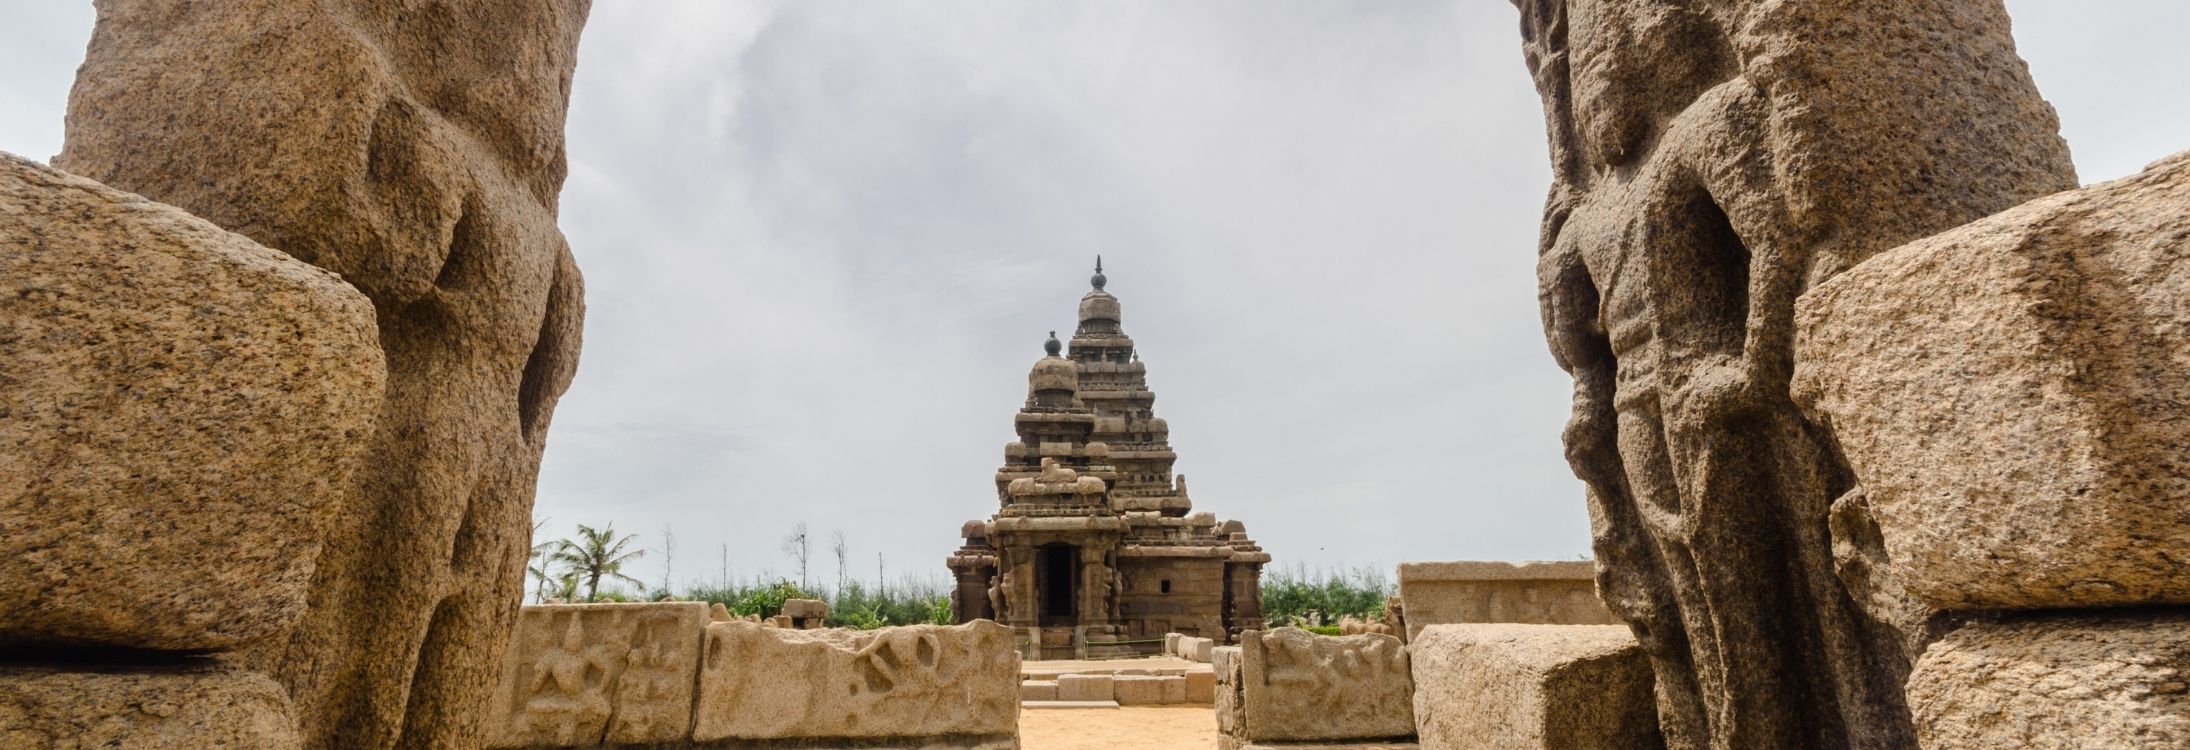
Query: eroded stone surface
pixel 1710 163
pixel 416 149
pixel 186 704
pixel 178 407
pixel 1508 686
pixel 584 674
pixel 1547 593
pixel 2014 396
pixel 2058 682
pixel 760 683
pixel 1295 686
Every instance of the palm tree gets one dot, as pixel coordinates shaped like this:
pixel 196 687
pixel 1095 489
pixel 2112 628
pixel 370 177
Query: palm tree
pixel 538 566
pixel 596 554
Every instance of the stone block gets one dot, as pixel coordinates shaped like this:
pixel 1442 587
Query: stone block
pixel 805 609
pixel 2014 398
pixel 1201 687
pixel 195 704
pixel 180 411
pixel 1037 690
pixel 2057 682
pixel 1195 649
pixel 1231 706
pixel 1547 687
pixel 1549 593
pixel 1149 690
pixel 584 674
pixel 1085 687
pixel 1295 686
pixel 759 683
pixel 1171 644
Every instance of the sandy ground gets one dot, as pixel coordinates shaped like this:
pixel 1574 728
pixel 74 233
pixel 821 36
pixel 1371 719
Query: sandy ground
pixel 1129 728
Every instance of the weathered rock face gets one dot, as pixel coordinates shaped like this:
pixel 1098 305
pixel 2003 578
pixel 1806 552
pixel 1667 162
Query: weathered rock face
pixel 197 703
pixel 417 149
pixel 1291 685
pixel 178 407
pixel 1563 687
pixel 2013 398
pixel 1543 593
pixel 2057 683
pixel 580 675
pixel 958 683
pixel 1711 161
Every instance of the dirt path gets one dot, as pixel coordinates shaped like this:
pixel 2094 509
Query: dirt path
pixel 1131 728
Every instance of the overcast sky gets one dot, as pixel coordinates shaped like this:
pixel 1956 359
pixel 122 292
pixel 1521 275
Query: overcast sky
pixel 823 242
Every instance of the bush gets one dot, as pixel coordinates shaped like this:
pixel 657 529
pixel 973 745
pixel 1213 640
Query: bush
pixel 1322 629
pixel 911 601
pixel 1298 597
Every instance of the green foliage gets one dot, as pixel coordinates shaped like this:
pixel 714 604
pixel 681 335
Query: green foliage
pixel 1298 597
pixel 910 602
pixel 757 597
pixel 1322 629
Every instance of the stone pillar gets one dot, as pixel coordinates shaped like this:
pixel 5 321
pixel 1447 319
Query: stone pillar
pixel 417 150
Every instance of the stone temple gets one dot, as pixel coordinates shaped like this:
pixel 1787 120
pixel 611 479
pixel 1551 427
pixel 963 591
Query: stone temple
pixel 1096 550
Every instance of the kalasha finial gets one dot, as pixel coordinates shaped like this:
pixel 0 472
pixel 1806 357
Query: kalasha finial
pixel 1053 346
pixel 1098 281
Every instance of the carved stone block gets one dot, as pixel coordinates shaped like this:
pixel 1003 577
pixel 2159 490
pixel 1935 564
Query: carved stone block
pixel 1550 687
pixel 584 674
pixel 761 683
pixel 1295 686
pixel 1549 593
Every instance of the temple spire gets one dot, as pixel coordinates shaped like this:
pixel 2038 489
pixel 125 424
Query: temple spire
pixel 1098 281
pixel 1053 346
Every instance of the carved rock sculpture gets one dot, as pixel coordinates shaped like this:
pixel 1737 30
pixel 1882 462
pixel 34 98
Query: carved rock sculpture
pixel 1554 687
pixel 1711 161
pixel 2057 682
pixel 957 685
pixel 1289 685
pixel 2012 396
pixel 1544 593
pixel 416 149
pixel 177 406
pixel 580 675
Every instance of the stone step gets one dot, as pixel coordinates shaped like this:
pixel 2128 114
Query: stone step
pixel 1069 704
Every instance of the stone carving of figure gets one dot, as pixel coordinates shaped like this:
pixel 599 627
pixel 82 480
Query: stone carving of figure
pixel 558 696
pixel 1712 160
pixel 1000 596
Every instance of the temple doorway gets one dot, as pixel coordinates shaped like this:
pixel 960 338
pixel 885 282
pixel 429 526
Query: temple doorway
pixel 1058 578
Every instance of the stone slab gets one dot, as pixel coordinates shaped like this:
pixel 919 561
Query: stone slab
pixel 189 704
pixel 1296 686
pixel 1149 690
pixel 180 408
pixel 1086 687
pixel 759 683
pixel 1233 743
pixel 580 674
pixel 1552 593
pixel 1547 687
pixel 1201 687
pixel 1037 690
pixel 2014 398
pixel 2057 682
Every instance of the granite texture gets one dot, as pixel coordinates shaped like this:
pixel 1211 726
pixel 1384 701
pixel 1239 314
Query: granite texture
pixel 416 148
pixel 1547 593
pixel 1294 686
pixel 2014 396
pixel 587 674
pixel 1711 162
pixel 185 704
pixel 1512 686
pixel 179 407
pixel 2118 680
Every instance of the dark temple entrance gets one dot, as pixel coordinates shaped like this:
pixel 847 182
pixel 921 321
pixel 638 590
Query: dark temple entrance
pixel 1058 579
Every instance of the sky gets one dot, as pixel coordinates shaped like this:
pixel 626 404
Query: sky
pixel 824 240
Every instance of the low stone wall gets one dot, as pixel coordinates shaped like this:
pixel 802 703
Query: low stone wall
pixel 1290 685
pixel 1554 687
pixel 1544 593
pixel 661 674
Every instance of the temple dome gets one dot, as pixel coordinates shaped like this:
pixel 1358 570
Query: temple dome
pixel 1054 373
pixel 1099 305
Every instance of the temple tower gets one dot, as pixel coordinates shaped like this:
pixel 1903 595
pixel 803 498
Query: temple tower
pixel 1096 549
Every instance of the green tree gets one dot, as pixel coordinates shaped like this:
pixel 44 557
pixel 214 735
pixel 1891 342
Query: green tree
pixel 594 555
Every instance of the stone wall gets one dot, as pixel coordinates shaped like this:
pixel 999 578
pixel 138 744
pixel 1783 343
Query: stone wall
pixel 2014 400
pixel 582 675
pixel 1547 593
pixel 1553 687
pixel 181 404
